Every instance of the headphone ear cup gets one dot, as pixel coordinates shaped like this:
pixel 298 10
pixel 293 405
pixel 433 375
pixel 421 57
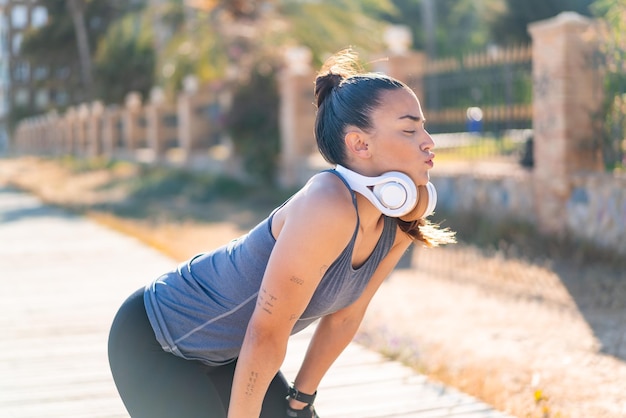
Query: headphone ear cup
pixel 426 202
pixel 432 199
pixel 395 192
pixel 392 195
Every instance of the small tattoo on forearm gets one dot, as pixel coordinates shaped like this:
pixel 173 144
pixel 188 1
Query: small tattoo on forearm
pixel 251 383
pixel 266 301
pixel 297 280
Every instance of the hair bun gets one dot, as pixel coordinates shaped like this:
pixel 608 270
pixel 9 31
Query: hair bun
pixel 324 84
pixel 337 68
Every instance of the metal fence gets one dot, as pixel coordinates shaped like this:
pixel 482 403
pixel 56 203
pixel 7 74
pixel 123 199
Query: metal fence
pixel 482 103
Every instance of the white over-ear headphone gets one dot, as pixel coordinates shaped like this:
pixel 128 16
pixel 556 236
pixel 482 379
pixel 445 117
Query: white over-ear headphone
pixel 393 193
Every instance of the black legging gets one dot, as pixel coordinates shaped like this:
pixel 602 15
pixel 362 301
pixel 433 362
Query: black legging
pixel 154 383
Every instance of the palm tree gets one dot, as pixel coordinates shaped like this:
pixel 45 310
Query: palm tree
pixel 221 37
pixel 76 9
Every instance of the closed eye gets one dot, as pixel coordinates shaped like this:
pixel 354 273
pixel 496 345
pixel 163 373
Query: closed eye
pixel 409 131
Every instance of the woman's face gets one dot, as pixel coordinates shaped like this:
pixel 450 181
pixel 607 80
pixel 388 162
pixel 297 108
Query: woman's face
pixel 398 140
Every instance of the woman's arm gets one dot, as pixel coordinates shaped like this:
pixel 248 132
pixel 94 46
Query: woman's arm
pixel 334 332
pixel 315 231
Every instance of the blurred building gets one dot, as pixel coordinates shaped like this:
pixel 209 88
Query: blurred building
pixel 18 78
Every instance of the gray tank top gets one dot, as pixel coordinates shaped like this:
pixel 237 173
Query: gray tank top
pixel 201 309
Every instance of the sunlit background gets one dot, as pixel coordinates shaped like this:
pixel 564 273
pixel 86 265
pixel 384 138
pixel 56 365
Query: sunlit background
pixel 189 105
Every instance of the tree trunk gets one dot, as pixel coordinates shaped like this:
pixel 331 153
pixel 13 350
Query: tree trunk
pixel 82 42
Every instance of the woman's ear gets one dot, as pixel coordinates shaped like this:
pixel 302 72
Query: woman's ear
pixel 356 143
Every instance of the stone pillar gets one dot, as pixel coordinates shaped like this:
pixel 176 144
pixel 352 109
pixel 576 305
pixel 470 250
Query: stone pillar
pixel 296 116
pixel 94 129
pixel 80 129
pixel 18 137
pixel 567 93
pixel 55 133
pixel 161 124
pixel 111 135
pixel 36 139
pixel 39 141
pixel 185 111
pixel 31 147
pixel 402 63
pixel 50 133
pixel 154 124
pixel 134 129
pixel 69 132
pixel 194 124
pixel 33 137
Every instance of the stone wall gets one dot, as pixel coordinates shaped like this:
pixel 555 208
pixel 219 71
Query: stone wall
pixel 596 210
pixel 498 197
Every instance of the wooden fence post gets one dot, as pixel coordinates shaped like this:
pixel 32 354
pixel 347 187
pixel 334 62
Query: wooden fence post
pixel 69 135
pixel 133 126
pixel 111 132
pixel 94 129
pixel 200 111
pixel 156 130
pixel 80 125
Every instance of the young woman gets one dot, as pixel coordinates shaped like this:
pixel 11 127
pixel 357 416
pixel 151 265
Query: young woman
pixel 208 338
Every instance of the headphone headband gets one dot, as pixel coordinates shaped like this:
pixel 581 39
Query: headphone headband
pixel 393 193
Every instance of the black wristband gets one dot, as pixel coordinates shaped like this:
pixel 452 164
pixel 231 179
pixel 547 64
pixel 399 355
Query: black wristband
pixel 300 396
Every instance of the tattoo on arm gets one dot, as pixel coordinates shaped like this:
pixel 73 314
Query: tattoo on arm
pixel 266 301
pixel 251 383
pixel 297 280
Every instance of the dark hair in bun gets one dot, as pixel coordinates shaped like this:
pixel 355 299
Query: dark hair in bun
pixel 345 96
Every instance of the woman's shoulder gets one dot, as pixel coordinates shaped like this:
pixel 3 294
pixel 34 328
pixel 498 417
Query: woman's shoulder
pixel 325 193
pixel 324 202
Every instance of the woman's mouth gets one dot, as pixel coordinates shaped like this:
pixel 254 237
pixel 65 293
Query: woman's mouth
pixel 430 161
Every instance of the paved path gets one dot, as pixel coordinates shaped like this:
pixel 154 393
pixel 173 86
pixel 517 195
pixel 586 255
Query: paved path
pixel 62 279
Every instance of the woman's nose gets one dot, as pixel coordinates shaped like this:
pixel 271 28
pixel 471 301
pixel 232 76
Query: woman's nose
pixel 428 143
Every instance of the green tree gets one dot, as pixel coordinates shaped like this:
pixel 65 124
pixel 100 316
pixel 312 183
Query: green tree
pixel 408 13
pixel 56 44
pixel 222 37
pixel 125 59
pixel 328 26
pixel 511 25
pixel 612 14
pixel 445 27
pixel 254 125
pixel 464 25
pixel 77 11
